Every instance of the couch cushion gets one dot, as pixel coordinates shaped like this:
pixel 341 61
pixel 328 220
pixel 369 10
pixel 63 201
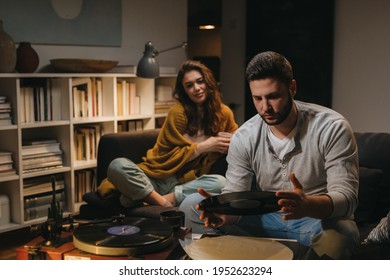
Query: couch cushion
pixel 368 190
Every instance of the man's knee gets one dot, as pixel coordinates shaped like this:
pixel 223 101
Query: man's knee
pixel 337 241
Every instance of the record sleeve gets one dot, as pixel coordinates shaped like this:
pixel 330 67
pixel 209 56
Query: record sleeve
pixel 241 203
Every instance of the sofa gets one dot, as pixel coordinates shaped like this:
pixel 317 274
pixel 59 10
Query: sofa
pixel 374 191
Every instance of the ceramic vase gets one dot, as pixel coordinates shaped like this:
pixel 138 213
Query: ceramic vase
pixel 7 51
pixel 27 59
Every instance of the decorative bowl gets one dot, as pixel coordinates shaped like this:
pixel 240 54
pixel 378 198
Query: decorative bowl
pixel 82 65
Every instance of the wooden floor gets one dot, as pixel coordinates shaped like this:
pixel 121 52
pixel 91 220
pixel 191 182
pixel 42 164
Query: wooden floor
pixel 9 241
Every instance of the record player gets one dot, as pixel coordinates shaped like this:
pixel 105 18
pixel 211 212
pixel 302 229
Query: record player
pixel 118 237
pixel 115 238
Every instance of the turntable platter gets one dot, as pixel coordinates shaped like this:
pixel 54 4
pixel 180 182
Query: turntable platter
pixel 127 237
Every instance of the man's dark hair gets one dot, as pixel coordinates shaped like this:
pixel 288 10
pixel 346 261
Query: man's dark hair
pixel 269 65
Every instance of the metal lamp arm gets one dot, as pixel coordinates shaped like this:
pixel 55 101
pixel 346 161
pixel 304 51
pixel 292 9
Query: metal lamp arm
pixel 182 45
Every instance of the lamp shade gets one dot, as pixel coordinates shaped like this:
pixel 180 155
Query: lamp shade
pixel 148 67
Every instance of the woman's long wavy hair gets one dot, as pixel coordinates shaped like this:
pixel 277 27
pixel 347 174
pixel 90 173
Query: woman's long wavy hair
pixel 212 107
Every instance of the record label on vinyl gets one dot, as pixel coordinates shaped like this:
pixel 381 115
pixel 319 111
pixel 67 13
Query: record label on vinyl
pixel 127 237
pixel 241 203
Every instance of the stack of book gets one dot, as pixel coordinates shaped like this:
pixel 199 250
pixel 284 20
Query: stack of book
pixel 6 164
pixel 38 195
pixel 39 155
pixel 5 111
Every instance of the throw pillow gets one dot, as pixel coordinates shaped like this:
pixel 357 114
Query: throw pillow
pixel 381 233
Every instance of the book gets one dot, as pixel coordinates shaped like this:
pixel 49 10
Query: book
pixel 5 105
pixel 8 172
pixel 40 149
pixel 42 165
pixel 48 154
pixel 41 187
pixel 4 166
pixel 38 142
pixel 41 169
pixel 5 121
pixel 41 159
pixel 5 156
pixel 84 88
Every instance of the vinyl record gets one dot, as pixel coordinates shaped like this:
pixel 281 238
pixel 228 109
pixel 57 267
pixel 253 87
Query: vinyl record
pixel 241 203
pixel 130 237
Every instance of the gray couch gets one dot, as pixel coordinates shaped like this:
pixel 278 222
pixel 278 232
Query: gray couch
pixel 374 193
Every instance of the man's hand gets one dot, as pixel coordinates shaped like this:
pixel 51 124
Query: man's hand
pixel 296 204
pixel 214 220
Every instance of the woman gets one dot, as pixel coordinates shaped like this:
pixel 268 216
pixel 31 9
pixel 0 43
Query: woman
pixel 186 148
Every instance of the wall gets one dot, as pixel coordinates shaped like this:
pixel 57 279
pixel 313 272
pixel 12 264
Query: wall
pixel 162 22
pixel 233 55
pixel 361 73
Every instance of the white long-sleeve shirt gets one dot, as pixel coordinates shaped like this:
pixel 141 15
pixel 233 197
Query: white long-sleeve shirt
pixel 324 158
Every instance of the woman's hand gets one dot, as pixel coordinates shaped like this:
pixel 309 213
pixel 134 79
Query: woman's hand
pixel 214 144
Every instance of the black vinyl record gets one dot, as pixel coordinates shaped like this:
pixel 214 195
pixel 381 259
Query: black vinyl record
pixel 129 236
pixel 241 203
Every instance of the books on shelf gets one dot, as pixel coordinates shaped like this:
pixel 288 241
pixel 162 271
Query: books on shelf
pixel 86 141
pixel 5 156
pixel 6 164
pixel 128 102
pixel 40 100
pixel 87 97
pixel 85 181
pixel 5 111
pixel 130 125
pixel 45 148
pixel 41 185
pixel 39 155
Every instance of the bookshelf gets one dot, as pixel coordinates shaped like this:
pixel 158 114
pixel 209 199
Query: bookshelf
pixel 72 124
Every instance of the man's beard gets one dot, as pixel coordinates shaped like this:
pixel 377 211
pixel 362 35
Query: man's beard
pixel 283 113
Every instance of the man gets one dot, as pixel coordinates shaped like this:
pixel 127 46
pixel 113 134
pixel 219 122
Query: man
pixel 306 153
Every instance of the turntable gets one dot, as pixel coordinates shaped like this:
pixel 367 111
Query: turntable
pixel 123 237
pixel 117 238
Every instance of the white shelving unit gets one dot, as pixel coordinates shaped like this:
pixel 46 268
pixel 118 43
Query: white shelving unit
pixel 12 136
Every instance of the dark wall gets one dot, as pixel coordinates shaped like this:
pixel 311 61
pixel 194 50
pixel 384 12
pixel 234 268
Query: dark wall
pixel 302 31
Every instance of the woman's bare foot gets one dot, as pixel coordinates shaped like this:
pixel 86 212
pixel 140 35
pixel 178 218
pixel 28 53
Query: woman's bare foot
pixel 155 198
